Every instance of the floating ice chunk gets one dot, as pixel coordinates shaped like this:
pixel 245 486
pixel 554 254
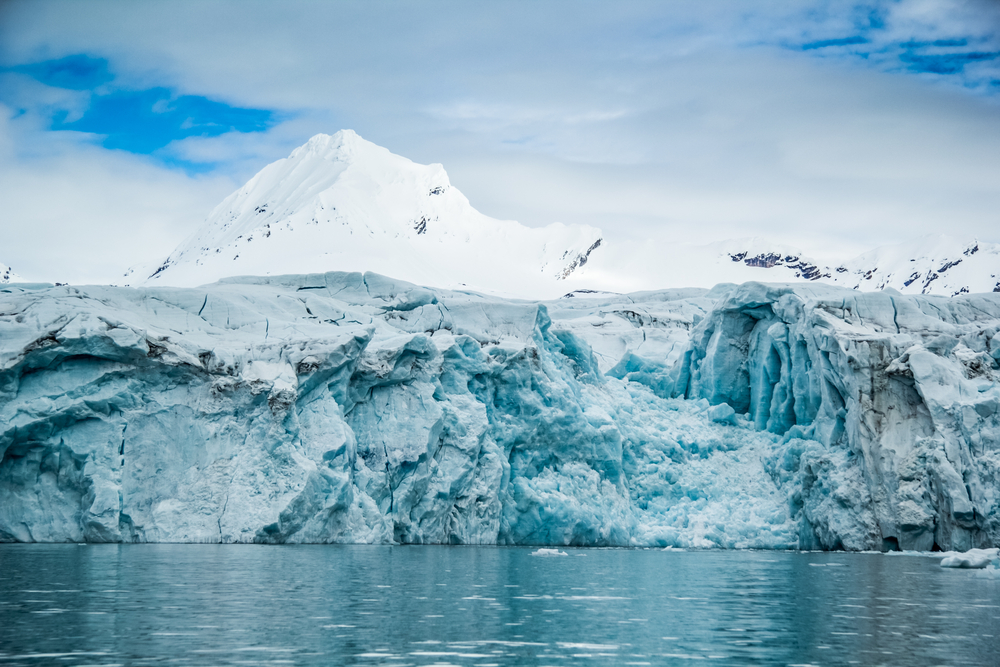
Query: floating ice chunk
pixel 992 572
pixel 549 552
pixel 973 559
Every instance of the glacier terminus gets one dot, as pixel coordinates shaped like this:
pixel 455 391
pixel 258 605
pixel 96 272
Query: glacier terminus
pixel 351 407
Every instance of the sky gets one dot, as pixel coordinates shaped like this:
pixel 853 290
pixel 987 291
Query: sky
pixel 831 126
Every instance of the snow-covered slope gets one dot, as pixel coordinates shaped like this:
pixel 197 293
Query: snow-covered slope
pixel 650 265
pixel 928 265
pixel 7 275
pixel 355 408
pixel 342 203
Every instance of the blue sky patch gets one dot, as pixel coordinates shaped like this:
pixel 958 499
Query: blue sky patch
pixel 146 120
pixel 824 43
pixel 945 63
pixel 947 56
pixel 140 121
pixel 79 72
pixel 912 44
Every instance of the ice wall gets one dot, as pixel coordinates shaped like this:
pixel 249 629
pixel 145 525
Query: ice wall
pixel 904 388
pixel 353 408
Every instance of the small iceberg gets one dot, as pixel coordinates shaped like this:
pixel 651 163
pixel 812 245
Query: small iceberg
pixel 549 552
pixel 973 559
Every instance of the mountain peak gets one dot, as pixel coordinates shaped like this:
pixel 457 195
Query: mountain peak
pixel 341 203
pixel 341 145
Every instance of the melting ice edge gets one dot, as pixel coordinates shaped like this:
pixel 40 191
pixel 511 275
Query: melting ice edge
pixel 348 407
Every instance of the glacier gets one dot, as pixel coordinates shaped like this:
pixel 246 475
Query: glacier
pixel 905 385
pixel 351 407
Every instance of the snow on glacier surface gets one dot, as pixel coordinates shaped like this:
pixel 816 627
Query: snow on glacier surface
pixel 347 407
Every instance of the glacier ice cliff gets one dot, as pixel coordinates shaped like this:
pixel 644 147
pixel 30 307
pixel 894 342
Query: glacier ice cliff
pixel 904 386
pixel 348 407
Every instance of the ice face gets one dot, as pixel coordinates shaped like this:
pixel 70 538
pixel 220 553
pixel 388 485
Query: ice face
pixel 905 387
pixel 354 408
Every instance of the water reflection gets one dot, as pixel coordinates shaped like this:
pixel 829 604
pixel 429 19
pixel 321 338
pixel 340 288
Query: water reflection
pixel 353 605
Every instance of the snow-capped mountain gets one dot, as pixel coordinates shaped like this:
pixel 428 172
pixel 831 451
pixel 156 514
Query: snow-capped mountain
pixel 342 203
pixel 7 275
pixel 928 265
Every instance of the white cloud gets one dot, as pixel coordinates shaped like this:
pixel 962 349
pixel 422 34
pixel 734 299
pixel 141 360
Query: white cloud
pixel 79 213
pixel 671 120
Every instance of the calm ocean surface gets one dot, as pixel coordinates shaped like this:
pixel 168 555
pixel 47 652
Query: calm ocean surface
pixel 358 605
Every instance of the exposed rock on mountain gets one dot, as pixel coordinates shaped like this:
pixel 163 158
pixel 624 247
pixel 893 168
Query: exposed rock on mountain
pixel 7 275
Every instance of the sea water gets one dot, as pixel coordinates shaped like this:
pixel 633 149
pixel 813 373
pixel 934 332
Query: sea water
pixel 426 605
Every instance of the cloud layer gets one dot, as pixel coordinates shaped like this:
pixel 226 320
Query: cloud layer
pixel 831 126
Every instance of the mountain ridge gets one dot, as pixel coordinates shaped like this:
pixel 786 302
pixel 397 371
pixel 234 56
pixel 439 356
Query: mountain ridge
pixel 339 202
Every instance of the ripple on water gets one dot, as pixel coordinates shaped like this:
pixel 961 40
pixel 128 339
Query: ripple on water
pixel 420 606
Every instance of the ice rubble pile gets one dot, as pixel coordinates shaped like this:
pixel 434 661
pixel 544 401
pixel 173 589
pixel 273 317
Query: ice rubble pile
pixel 345 407
pixel 902 388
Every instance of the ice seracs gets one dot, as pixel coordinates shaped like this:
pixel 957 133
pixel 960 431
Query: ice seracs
pixel 342 203
pixel 900 391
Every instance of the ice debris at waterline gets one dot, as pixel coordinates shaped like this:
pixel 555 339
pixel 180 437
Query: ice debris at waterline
pixel 548 552
pixel 355 408
pixel 973 559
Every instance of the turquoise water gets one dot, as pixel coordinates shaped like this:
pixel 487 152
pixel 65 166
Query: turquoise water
pixel 360 605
